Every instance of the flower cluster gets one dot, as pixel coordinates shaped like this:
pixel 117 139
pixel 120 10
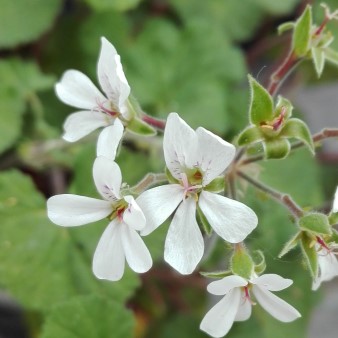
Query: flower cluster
pixel 195 161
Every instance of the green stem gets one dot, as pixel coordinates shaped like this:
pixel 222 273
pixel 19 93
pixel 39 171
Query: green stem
pixel 148 180
pixel 284 199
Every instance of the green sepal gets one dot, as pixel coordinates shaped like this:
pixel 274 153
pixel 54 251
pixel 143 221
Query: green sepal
pixel 333 218
pixel 170 177
pixel 242 263
pixel 261 103
pixel 310 253
pixel 315 222
pixel 334 237
pixel 290 244
pixel 286 26
pixel 201 219
pixel 331 56
pixel 259 261
pixel 285 106
pixel 318 58
pixel 301 38
pixel 298 129
pixel 276 148
pixel 217 185
pixel 250 135
pixel 139 127
pixel 216 274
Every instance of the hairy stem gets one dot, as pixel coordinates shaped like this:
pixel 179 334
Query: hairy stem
pixel 279 76
pixel 148 180
pixel 284 199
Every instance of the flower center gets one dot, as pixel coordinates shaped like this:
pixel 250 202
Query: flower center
pixel 246 296
pixel 109 111
pixel 118 210
pixel 191 182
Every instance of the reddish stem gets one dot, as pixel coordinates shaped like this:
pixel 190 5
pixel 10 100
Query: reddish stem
pixel 157 123
pixel 279 75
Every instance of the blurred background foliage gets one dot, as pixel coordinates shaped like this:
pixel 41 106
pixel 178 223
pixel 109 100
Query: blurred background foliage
pixel 187 56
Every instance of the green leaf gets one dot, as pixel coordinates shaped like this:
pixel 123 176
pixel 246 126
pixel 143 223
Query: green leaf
pixel 302 33
pixel 276 148
pixel 199 87
pixel 331 56
pixel 318 58
pixel 41 263
pixel 296 128
pixel 118 5
pixel 19 82
pixel 217 185
pixel 310 253
pixel 289 245
pixel 261 103
pixel 250 135
pixel 89 316
pixel 24 21
pixel 139 127
pixel 315 222
pixel 241 263
pixel 284 27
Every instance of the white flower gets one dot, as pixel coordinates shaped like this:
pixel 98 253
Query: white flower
pixel 97 110
pixel 194 159
pixel 327 264
pixel 120 240
pixel 236 305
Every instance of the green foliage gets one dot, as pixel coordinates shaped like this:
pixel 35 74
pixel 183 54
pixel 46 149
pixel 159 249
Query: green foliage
pixel 242 263
pixel 24 21
pixel 41 263
pixel 309 253
pixel 301 38
pixel 250 135
pixel 276 148
pixel 139 127
pixel 195 89
pixel 261 104
pixel 89 316
pixel 119 5
pixel 315 223
pixel 20 81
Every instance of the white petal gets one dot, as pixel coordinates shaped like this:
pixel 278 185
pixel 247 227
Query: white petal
pixel 274 305
pixel 214 154
pixel 272 282
pixel 111 76
pixel 136 252
pixel 218 321
pixel 335 201
pixel 158 204
pixel 109 259
pixel 82 123
pixel 224 285
pixel 77 90
pixel 179 145
pixel 184 244
pixel 109 140
pixel 73 210
pixel 133 215
pixel 244 309
pixel 108 178
pixel 328 268
pixel 232 220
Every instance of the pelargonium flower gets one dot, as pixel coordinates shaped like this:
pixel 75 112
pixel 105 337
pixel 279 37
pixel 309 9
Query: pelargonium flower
pixel 194 159
pixel 120 240
pixel 97 110
pixel 236 305
pixel 327 264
